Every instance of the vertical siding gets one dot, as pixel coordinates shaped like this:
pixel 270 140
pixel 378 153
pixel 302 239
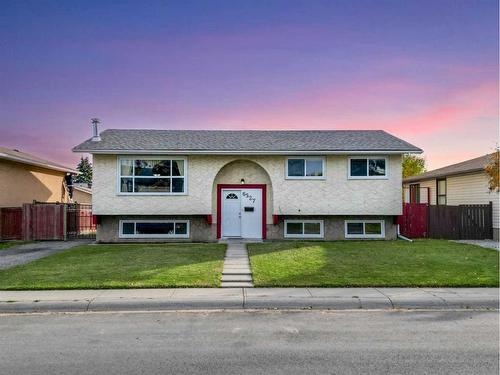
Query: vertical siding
pixel 472 189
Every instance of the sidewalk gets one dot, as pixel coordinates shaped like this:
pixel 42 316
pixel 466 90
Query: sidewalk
pixel 248 298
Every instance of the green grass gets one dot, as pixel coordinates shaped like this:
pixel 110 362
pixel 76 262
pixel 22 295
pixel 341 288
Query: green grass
pixel 430 263
pixel 8 244
pixel 121 266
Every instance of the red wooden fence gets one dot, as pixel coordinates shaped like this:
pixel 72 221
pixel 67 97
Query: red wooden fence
pixel 414 221
pixel 11 223
pixel 43 222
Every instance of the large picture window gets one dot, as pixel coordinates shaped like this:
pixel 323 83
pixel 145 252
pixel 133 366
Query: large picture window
pixel 305 168
pixel 154 229
pixel 364 229
pixel 152 176
pixel 303 228
pixel 367 168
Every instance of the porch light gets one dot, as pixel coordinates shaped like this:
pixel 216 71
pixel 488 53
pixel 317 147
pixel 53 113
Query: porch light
pixel 242 181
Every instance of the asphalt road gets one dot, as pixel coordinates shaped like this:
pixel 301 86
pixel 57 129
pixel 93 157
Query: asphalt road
pixel 312 342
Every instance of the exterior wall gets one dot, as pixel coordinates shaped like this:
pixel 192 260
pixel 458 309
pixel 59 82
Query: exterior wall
pixel 467 189
pixel 81 197
pixel 200 231
pixel 335 195
pixel 23 183
pixel 472 189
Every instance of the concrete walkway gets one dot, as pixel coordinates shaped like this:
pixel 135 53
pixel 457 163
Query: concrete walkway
pixel 249 298
pixel 489 244
pixel 236 272
pixel 22 254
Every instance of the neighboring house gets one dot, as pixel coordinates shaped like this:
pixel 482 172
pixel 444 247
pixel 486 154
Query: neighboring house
pixel 25 178
pixel 456 184
pixel 82 193
pixel 205 185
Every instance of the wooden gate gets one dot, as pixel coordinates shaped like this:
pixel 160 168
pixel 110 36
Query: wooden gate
pixel 413 223
pixel 43 221
pixel 11 223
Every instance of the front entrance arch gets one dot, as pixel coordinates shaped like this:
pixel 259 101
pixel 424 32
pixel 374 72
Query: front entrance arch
pixel 241 210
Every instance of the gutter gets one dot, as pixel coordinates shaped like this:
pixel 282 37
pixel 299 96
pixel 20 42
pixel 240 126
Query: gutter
pixel 400 236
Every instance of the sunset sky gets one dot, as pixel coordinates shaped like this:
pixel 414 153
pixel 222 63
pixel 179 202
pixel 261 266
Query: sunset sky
pixel 426 71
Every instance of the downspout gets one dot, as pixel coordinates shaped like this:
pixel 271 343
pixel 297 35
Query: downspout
pixel 400 236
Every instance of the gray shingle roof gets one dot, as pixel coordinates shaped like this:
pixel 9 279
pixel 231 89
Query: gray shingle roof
pixel 468 166
pixel 123 140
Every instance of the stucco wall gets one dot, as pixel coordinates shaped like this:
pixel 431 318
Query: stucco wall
pixel 82 197
pixel 22 183
pixel 336 195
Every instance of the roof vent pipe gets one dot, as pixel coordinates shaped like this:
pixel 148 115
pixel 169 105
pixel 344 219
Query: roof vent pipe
pixel 95 133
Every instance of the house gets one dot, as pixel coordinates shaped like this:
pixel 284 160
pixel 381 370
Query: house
pixel 207 185
pixel 26 178
pixel 82 193
pixel 462 183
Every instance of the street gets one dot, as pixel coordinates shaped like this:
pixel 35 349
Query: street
pixel 249 342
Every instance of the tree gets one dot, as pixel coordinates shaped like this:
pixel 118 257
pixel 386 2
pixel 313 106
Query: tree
pixel 492 170
pixel 413 165
pixel 85 169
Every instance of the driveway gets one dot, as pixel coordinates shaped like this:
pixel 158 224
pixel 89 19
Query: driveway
pixel 489 244
pixel 29 252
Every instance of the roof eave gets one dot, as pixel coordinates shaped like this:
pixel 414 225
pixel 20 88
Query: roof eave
pixel 441 175
pixel 38 164
pixel 246 152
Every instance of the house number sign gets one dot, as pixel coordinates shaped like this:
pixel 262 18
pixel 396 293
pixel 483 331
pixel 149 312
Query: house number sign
pixel 249 196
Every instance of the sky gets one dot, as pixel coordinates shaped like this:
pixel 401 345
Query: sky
pixel 425 71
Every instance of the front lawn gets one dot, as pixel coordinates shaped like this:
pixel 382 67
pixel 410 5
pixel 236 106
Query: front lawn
pixel 430 263
pixel 121 266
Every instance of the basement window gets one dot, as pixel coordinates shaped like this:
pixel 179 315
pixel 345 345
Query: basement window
pixel 364 229
pixel 304 229
pixel 154 229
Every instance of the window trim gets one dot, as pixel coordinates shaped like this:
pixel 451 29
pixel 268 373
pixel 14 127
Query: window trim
pixel 368 177
pixel 364 235
pixel 151 157
pixel 303 235
pixel 445 195
pixel 122 235
pixel 323 162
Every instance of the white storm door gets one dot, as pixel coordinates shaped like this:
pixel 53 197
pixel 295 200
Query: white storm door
pixel 251 213
pixel 231 213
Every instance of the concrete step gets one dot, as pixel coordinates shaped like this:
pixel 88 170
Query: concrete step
pixel 237 272
pixel 234 284
pixel 239 277
pixel 235 269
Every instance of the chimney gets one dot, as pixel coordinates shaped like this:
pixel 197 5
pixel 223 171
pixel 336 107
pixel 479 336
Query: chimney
pixel 95 133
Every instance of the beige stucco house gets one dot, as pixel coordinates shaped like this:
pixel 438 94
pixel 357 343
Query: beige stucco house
pixel 461 183
pixel 25 178
pixel 159 185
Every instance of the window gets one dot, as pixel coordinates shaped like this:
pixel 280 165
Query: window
pixel 303 228
pixel 154 229
pixel 415 193
pixel 305 168
pixel 441 192
pixel 367 168
pixel 152 176
pixel 364 229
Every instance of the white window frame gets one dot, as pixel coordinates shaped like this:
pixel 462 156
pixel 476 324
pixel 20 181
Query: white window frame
pixel 150 157
pixel 321 229
pixel 305 158
pixel 122 235
pixel 364 235
pixel 367 177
